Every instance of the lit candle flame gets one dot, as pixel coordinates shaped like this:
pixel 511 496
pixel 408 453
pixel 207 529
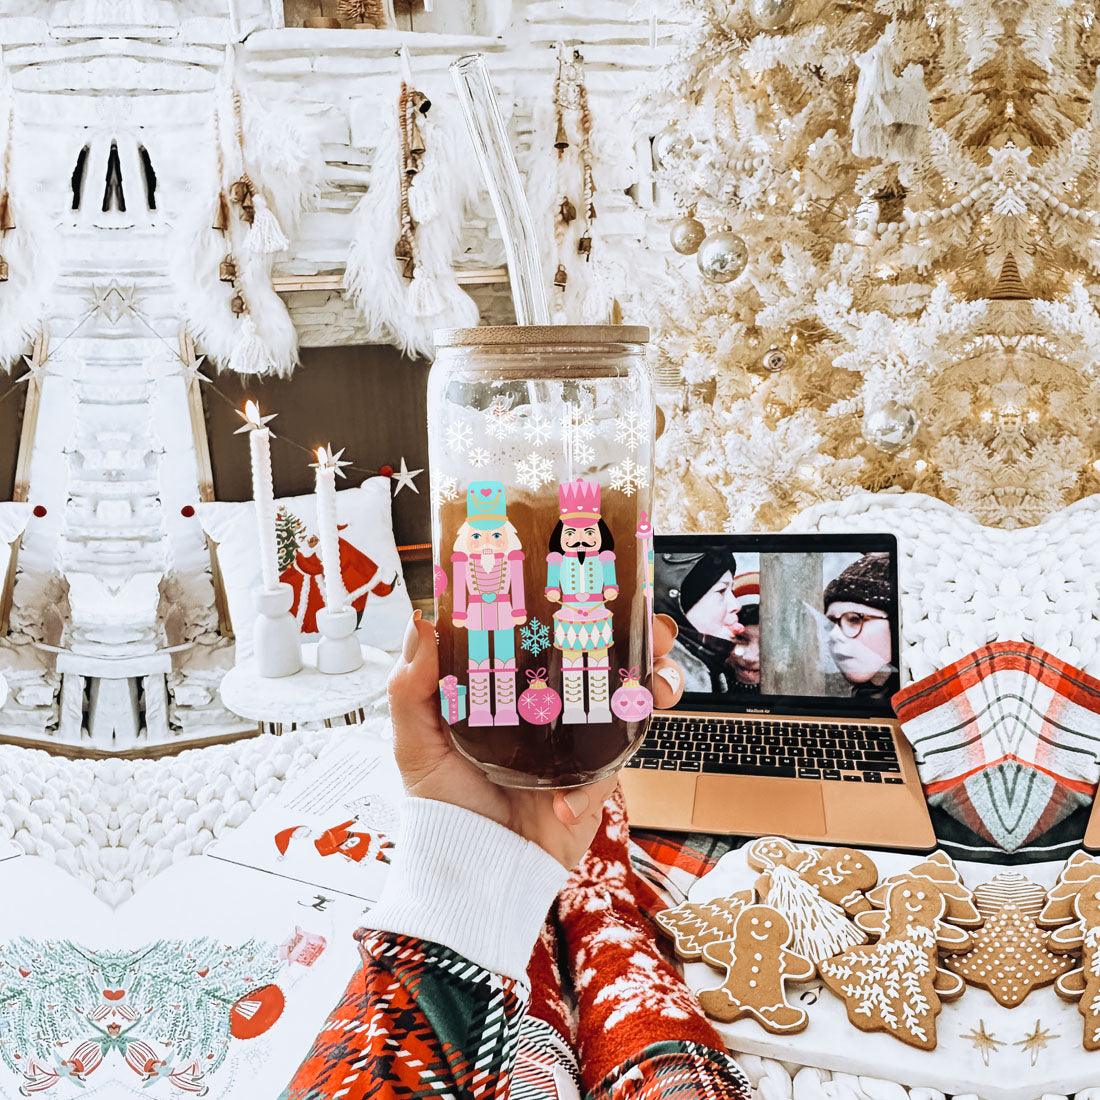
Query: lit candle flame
pixel 252 411
pixel 322 456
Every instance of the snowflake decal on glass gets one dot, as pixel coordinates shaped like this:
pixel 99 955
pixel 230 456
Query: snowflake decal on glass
pixel 537 430
pixel 479 457
pixel 628 477
pixel 500 418
pixel 584 454
pixel 578 429
pixel 459 436
pixel 630 429
pixel 534 471
pixel 534 637
pixel 446 488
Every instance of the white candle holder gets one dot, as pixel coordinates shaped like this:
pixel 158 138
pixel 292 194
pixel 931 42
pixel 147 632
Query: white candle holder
pixel 338 650
pixel 276 643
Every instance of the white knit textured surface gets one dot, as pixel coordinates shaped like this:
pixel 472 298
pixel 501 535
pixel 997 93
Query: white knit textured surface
pixel 116 823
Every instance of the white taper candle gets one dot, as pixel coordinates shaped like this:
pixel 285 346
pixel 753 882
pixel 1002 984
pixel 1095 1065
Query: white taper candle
pixel 336 596
pixel 263 494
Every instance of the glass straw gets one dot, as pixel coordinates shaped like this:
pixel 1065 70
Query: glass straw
pixel 498 167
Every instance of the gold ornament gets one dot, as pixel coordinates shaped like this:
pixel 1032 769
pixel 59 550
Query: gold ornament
pixel 3 270
pixel 890 426
pixel 775 360
pixel 240 191
pixel 687 234
pixel 769 15
pixel 237 304
pixel 6 220
pixel 561 277
pixel 584 246
pixel 567 212
pixel 561 139
pixel 722 256
pixel 227 270
pixel 221 214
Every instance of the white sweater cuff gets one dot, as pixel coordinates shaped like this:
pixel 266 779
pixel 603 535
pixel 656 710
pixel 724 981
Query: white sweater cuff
pixel 463 881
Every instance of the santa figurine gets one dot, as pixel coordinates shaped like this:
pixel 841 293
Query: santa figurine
pixel 489 602
pixel 305 575
pixel 580 575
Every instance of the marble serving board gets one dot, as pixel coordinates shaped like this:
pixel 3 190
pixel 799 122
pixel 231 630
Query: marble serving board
pixel 956 1065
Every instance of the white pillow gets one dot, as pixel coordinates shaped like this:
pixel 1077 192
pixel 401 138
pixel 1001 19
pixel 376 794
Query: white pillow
pixel 13 519
pixel 365 511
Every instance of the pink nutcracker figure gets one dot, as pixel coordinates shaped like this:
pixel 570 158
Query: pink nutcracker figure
pixel 580 575
pixel 488 602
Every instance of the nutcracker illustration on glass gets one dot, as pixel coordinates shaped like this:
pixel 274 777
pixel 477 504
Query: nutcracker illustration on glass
pixel 580 575
pixel 489 603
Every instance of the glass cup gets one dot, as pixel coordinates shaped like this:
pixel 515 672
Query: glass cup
pixel 541 453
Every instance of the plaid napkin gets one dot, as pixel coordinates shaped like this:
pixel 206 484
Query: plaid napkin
pixel 1007 740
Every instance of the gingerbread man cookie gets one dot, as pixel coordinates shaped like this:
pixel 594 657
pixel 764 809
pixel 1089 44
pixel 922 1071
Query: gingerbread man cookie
pixel 1083 984
pixel 939 869
pixel 1010 954
pixel 693 925
pixel 816 890
pixel 895 985
pixel 1079 870
pixel 758 964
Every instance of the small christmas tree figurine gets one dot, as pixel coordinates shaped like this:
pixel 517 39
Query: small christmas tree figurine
pixel 693 925
pixel 1009 956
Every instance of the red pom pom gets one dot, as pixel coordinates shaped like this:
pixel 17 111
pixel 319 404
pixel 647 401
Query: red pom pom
pixel 39 510
pixel 187 511
pixel 386 471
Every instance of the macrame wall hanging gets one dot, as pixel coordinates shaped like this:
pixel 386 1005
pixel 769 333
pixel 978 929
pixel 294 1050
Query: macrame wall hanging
pixel 406 228
pixel 28 250
pixel 267 170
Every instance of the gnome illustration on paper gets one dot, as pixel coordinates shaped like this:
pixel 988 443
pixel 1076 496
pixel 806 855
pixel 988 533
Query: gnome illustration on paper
pixel 489 602
pixel 580 575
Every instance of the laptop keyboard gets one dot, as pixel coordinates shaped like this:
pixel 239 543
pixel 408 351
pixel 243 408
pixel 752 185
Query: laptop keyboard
pixel 780 749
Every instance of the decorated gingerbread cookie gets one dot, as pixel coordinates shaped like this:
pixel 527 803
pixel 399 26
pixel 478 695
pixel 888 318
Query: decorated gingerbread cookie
pixel 895 985
pixel 693 925
pixel 939 869
pixel 758 964
pixel 1079 870
pixel 1083 983
pixel 1010 954
pixel 816 890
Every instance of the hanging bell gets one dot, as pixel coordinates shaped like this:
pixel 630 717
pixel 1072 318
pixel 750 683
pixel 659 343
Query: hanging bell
pixel 3 270
pixel 417 147
pixel 240 192
pixel 227 270
pixel 248 210
pixel 567 211
pixel 237 304
pixel 221 214
pixel 584 246
pixel 6 220
pixel 561 139
pixel 404 254
pixel 561 277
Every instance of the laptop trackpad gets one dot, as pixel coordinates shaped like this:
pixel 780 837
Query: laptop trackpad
pixel 758 807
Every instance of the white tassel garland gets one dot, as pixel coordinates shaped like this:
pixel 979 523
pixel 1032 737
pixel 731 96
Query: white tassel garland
pixel 266 235
pixel 249 354
pixel 890 116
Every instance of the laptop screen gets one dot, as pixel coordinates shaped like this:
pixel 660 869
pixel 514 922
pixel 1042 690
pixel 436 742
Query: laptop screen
pixel 785 624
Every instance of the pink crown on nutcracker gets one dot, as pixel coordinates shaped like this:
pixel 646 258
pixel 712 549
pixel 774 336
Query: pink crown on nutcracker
pixel 578 500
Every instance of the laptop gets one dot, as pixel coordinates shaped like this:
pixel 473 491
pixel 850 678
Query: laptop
pixel 790 648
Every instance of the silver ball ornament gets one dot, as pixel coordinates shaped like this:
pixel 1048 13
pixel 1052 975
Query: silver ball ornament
pixel 669 145
pixel 769 15
pixel 686 235
pixel 891 426
pixel 722 256
pixel 775 360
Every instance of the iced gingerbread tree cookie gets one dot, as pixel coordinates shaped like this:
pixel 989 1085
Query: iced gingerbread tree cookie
pixel 1079 870
pixel 1010 954
pixel 816 890
pixel 693 925
pixel 758 964
pixel 1083 983
pixel 895 985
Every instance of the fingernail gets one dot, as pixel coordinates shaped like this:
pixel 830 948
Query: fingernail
pixel 577 801
pixel 412 637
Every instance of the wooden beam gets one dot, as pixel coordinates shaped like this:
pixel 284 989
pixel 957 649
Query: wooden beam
pixel 288 284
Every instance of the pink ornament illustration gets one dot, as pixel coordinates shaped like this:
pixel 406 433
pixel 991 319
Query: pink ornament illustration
pixel 631 702
pixel 540 704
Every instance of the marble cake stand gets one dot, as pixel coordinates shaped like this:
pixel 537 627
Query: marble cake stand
pixel 309 697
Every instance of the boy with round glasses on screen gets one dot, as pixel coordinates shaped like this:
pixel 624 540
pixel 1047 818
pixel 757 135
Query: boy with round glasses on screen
pixel 857 603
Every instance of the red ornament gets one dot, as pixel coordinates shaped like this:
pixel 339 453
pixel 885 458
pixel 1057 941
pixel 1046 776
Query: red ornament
pixel 187 511
pixel 256 1012
pixel 39 510
pixel 386 471
pixel 631 702
pixel 539 704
